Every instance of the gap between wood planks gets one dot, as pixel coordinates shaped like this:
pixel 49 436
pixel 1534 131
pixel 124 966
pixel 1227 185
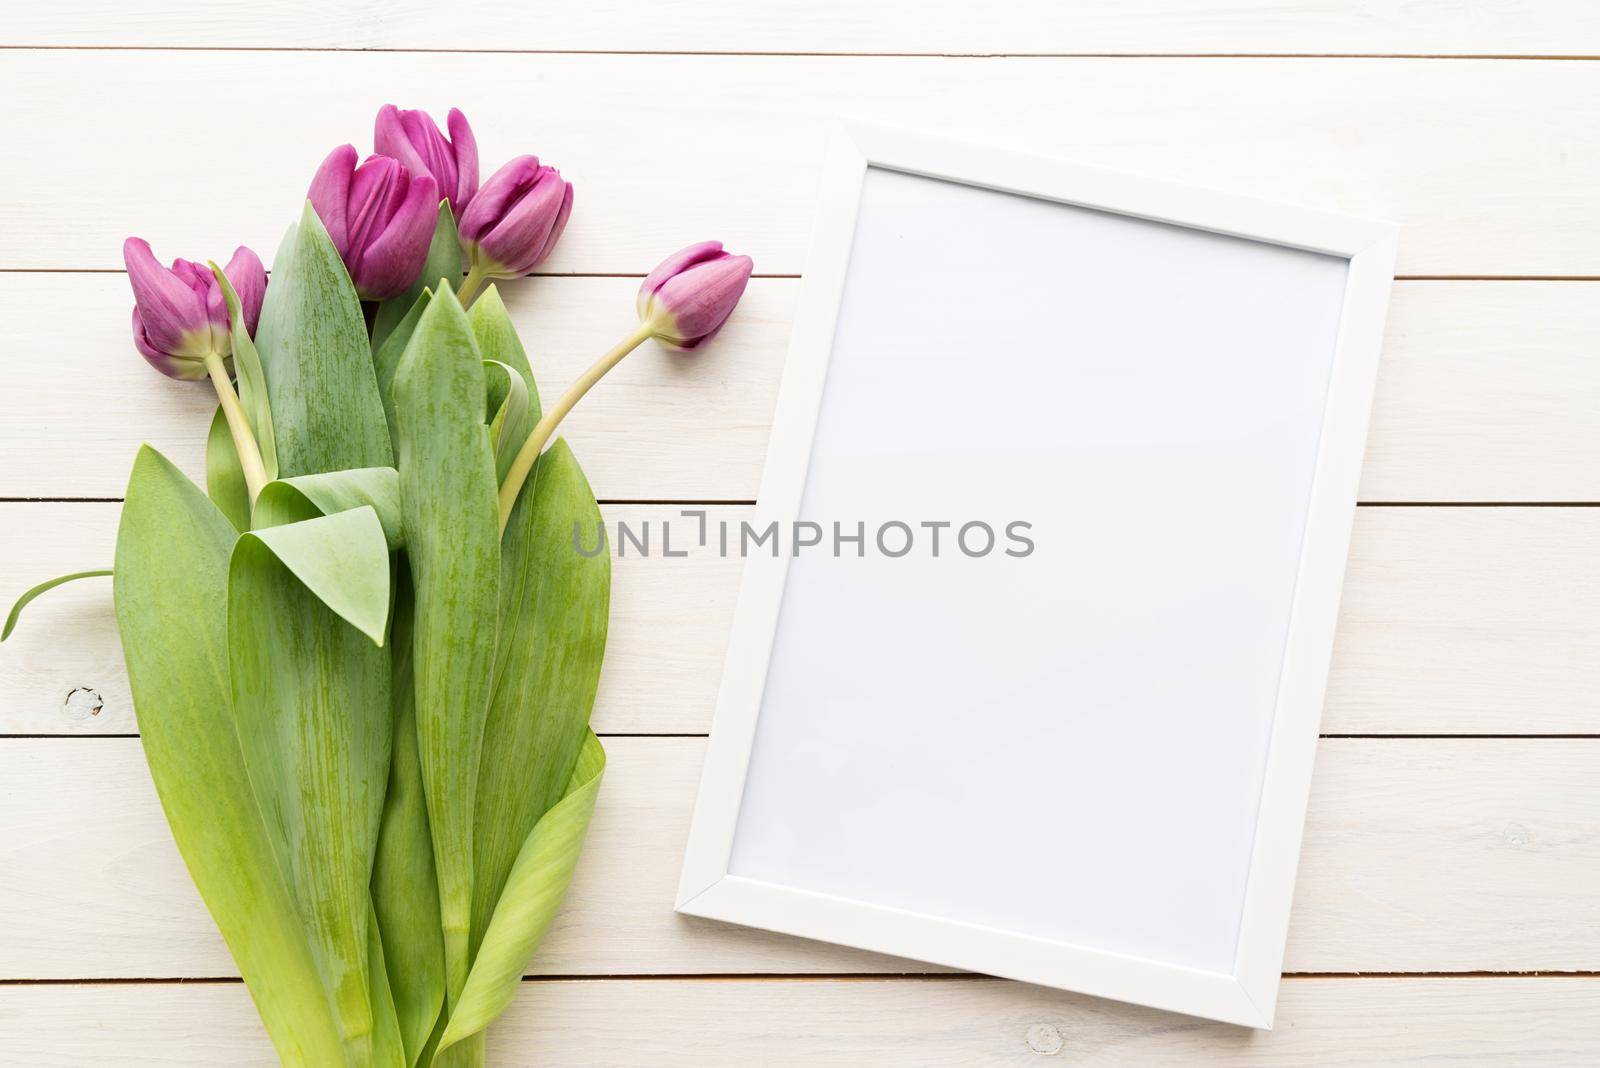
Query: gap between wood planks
pixel 769 54
pixel 810 977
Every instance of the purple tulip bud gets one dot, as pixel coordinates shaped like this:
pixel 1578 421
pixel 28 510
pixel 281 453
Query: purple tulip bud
pixel 414 139
pixel 179 314
pixel 690 295
pixel 514 221
pixel 380 217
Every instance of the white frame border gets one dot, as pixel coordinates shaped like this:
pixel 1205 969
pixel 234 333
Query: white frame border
pixel 1249 994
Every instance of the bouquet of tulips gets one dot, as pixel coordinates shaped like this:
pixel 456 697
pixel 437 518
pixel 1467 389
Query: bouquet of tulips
pixel 363 660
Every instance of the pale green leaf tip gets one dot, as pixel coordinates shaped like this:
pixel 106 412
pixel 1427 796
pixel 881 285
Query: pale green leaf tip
pixel 309 217
pixel 489 300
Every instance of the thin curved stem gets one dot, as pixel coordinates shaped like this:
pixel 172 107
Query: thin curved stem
pixel 244 440
pixel 529 453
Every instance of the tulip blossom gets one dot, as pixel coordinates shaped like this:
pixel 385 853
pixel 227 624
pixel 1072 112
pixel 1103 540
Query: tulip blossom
pixel 690 295
pixel 513 222
pixel 413 138
pixel 182 326
pixel 179 316
pixel 682 304
pixel 380 217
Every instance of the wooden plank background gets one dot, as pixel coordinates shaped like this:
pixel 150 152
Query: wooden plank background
pixel 1448 906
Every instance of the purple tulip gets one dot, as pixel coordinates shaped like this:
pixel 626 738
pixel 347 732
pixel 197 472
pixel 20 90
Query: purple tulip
pixel 413 138
pixel 380 217
pixel 690 295
pixel 515 220
pixel 179 314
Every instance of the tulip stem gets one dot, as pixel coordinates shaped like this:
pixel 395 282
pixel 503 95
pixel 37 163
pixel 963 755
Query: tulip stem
pixel 476 276
pixel 523 464
pixel 244 441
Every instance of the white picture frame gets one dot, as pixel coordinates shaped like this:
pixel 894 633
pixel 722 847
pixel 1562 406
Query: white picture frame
pixel 1246 993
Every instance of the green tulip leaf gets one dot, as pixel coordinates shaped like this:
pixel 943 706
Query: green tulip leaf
pixel 405 889
pixel 448 495
pixel 509 408
pixel 252 379
pixel 290 499
pixel 225 482
pixel 388 1047
pixel 311 707
pixel 171 590
pixel 533 892
pixel 386 359
pixel 312 339
pixel 498 343
pixel 553 613
pixel 444 261
pixel 343 559
pixel 43 587
pixel 497 338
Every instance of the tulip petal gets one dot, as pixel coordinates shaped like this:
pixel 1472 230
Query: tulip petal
pixel 701 298
pixel 466 155
pixel 559 225
pixel 376 190
pixel 171 366
pixel 248 277
pixel 394 259
pixel 437 157
pixel 389 139
pixel 172 312
pixel 679 261
pixel 330 195
pixel 504 188
pixel 517 239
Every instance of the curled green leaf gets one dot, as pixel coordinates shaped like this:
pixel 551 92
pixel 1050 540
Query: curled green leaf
pixel 288 500
pixel 509 408
pixel 533 893
pixel 343 559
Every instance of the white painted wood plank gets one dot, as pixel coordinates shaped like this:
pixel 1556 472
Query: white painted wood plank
pixel 845 1023
pixel 1455 621
pixel 1488 617
pixel 1420 855
pixel 1436 27
pixel 1490 165
pixel 1487 392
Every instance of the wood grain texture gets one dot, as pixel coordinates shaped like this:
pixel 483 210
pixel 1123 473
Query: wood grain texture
pixel 1419 856
pixel 1489 165
pixel 846 1023
pixel 1486 392
pixel 1455 621
pixel 1435 27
